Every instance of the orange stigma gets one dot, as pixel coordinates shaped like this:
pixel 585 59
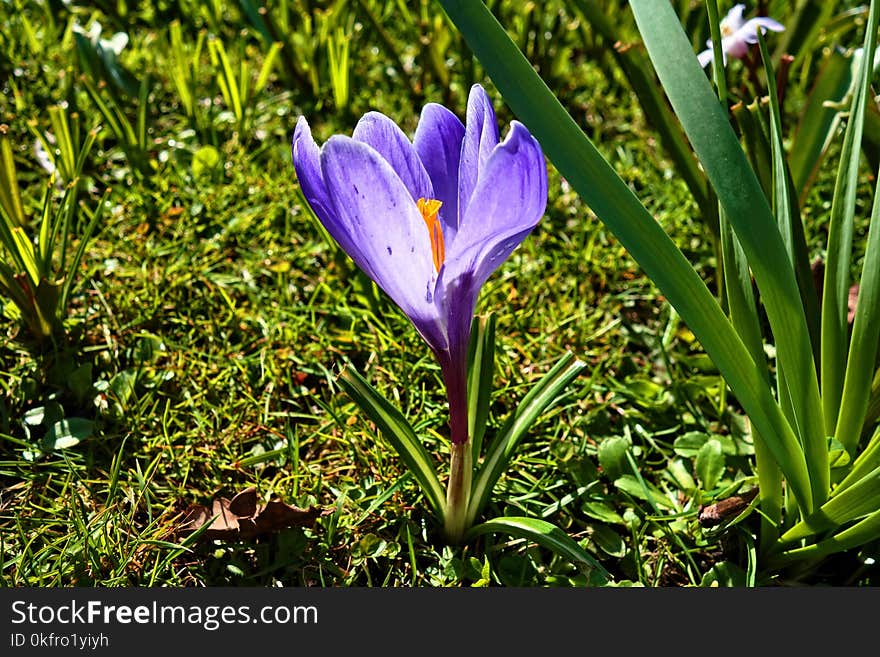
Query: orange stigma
pixel 429 209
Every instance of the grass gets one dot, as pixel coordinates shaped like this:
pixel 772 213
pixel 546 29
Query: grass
pixel 212 315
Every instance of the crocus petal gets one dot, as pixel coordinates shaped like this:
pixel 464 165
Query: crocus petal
pixel 509 199
pixel 307 163
pixel 377 213
pixel 735 47
pixel 438 141
pixel 480 139
pixel 386 138
pixel 705 57
pixel 734 18
pixel 749 31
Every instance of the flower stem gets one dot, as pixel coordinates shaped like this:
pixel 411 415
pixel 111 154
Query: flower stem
pixel 458 491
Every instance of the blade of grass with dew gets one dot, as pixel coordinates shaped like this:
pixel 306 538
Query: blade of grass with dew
pixel 399 433
pixel 707 126
pixel 541 532
pixel 578 160
pixel 542 395
pixel 835 289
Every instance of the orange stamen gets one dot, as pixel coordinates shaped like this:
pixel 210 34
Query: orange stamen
pixel 429 209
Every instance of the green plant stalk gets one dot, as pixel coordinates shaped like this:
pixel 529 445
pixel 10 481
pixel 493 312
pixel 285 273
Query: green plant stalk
pixel 458 491
pixel 835 290
pixel 614 203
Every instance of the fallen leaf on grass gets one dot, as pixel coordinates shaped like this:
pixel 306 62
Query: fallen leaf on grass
pixel 243 517
pixel 715 514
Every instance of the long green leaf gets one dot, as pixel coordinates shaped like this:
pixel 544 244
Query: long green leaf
pixel 707 126
pixel 785 208
pixel 70 274
pixel 541 532
pixel 578 160
pixel 10 194
pixel 399 433
pixel 835 290
pixel 542 395
pixel 481 371
pixel 28 254
pixel 741 304
pixel 860 362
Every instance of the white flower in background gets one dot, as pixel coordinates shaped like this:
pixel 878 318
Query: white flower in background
pixel 43 158
pixel 737 35
pixel 115 43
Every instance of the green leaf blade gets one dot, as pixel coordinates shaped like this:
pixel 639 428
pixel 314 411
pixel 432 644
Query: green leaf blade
pixel 399 433
pixel 541 532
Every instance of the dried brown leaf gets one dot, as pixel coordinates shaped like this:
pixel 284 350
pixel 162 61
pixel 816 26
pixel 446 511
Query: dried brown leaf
pixel 243 517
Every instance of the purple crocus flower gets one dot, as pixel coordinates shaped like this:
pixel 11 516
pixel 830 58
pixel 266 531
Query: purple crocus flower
pixel 429 220
pixel 737 35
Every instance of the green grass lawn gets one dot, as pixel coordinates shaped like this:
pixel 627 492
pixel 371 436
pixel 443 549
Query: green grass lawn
pixel 212 314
